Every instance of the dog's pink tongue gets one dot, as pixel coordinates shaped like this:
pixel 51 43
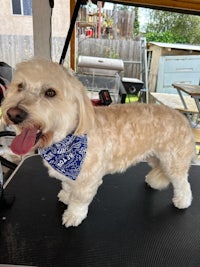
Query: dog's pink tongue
pixel 23 142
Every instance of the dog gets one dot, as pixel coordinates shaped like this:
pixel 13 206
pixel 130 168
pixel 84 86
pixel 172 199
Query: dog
pixel 81 143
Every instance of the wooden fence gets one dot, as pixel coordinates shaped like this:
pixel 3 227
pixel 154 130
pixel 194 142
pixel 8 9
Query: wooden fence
pixel 14 49
pixel 122 22
pixel 130 51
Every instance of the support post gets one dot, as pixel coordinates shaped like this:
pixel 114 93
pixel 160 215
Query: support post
pixel 42 28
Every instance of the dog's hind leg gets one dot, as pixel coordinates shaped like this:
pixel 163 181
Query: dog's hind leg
pixel 156 178
pixel 177 171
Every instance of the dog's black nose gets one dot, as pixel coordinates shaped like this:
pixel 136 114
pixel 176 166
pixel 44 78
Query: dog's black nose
pixel 16 115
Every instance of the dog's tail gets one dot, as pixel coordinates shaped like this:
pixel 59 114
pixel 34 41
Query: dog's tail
pixel 196 134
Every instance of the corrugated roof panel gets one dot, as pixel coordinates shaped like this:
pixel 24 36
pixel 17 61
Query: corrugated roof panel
pixel 177 46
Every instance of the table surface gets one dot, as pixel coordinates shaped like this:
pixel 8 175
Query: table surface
pixel 128 223
pixel 174 101
pixel 193 90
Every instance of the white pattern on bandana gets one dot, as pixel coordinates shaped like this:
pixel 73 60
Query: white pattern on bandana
pixel 66 156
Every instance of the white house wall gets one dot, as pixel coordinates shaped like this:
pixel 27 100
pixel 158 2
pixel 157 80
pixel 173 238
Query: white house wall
pixel 16 32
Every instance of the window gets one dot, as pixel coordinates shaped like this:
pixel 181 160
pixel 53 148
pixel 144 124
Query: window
pixel 22 7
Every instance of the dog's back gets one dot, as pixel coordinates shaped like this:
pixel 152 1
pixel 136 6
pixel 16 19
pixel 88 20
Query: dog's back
pixel 135 131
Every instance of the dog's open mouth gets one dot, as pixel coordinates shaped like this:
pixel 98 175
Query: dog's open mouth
pixel 25 141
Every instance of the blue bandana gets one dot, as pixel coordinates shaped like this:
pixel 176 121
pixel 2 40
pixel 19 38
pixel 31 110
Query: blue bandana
pixel 66 156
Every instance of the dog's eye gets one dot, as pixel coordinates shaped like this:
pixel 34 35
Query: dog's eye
pixel 50 92
pixel 20 87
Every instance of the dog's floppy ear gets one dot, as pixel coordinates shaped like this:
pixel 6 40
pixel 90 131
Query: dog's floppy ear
pixel 85 109
pixel 86 112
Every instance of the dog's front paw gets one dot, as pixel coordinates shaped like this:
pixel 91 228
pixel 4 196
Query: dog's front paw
pixel 63 196
pixel 75 217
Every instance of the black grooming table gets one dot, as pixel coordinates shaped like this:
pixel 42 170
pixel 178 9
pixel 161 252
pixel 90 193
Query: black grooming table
pixel 128 223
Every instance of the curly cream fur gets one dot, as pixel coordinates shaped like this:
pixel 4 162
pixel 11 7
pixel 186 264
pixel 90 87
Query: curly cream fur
pixel 118 136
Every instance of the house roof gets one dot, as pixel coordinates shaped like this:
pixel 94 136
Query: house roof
pixel 176 46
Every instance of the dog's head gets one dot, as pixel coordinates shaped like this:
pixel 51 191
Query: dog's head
pixel 45 103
